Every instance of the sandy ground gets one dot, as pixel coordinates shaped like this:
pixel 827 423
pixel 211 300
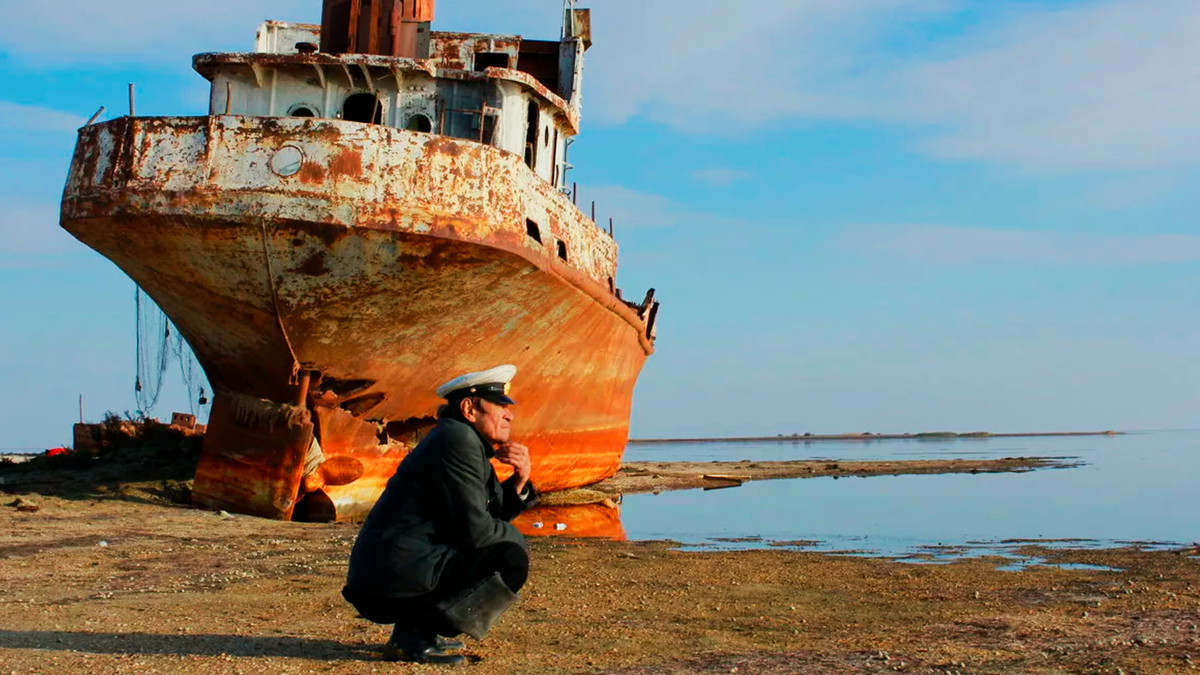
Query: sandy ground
pixel 101 584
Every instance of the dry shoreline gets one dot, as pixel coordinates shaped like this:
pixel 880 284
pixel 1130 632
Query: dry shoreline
pixel 108 576
pixel 642 477
pixel 103 585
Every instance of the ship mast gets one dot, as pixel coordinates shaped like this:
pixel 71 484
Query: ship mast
pixel 568 31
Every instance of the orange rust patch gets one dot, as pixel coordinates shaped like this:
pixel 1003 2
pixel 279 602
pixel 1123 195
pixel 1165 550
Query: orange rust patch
pixel 348 162
pixel 311 172
pixel 444 146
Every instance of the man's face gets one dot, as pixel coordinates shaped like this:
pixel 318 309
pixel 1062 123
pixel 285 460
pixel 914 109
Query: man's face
pixel 492 420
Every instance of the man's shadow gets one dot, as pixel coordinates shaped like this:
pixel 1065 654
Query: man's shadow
pixel 196 645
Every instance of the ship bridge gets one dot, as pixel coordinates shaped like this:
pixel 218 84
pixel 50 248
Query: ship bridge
pixel 378 62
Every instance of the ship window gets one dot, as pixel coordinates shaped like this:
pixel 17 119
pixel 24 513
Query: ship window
pixel 302 110
pixel 532 229
pixel 562 249
pixel 611 288
pixel 363 108
pixel 419 123
pixel 485 60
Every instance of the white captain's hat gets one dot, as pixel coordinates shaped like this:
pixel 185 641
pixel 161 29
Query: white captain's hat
pixel 492 385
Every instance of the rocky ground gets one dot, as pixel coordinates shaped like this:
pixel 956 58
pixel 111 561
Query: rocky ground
pixel 118 581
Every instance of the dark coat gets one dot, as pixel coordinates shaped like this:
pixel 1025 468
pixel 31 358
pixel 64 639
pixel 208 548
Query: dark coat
pixel 443 500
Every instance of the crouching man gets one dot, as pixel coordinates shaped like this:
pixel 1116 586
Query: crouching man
pixel 437 556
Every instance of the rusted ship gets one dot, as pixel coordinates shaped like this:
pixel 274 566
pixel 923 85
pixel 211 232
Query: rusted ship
pixel 370 209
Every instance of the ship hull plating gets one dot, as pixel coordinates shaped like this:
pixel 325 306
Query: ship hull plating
pixel 341 292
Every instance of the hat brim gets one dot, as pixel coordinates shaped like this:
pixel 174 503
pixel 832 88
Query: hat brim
pixel 502 399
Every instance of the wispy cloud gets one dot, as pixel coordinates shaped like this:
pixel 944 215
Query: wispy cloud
pixel 1091 84
pixel 719 176
pixel 15 116
pixel 631 208
pixel 53 33
pixel 941 244
pixel 30 234
pixel 643 210
pixel 1112 84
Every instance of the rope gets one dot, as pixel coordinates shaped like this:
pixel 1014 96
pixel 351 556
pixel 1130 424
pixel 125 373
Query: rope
pixel 295 379
pixel 156 346
pixel 153 352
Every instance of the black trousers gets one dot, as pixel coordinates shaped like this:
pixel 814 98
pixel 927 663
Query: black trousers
pixel 464 570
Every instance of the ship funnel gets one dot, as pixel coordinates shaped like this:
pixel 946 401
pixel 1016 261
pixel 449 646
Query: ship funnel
pixel 384 27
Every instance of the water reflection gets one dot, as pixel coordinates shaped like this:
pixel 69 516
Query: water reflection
pixel 1134 488
pixel 601 520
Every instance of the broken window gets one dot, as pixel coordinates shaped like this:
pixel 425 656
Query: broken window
pixel 531 135
pixel 485 60
pixel 419 123
pixel 363 108
pixel 532 229
pixel 540 59
pixel 562 249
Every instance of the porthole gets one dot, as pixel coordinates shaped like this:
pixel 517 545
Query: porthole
pixel 420 123
pixel 287 161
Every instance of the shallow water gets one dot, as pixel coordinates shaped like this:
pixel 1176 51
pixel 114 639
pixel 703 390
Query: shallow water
pixel 1132 488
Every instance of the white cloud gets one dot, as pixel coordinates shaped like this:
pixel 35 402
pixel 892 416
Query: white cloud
pixel 1131 191
pixel 58 32
pixel 30 231
pixel 642 210
pixel 698 65
pixel 941 244
pixel 14 116
pixel 719 176
pixel 631 208
pixel 1102 84
pixel 1109 84
pixel 1112 84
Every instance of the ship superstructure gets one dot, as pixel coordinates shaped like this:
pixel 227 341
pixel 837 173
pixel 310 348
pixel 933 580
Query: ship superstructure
pixel 370 209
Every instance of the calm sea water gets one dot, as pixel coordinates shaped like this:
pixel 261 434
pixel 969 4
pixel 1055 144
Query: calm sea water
pixel 1139 487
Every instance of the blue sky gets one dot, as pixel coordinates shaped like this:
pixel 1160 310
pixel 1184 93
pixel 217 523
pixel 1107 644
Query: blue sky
pixel 860 215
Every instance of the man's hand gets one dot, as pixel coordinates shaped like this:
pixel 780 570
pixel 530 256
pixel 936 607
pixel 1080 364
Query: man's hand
pixel 516 456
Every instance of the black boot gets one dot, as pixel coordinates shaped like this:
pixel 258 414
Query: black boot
pixel 474 610
pixel 443 642
pixel 407 644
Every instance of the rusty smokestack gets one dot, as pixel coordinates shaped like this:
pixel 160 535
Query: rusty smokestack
pixel 384 27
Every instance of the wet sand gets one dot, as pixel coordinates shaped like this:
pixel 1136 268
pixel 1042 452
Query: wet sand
pixel 103 584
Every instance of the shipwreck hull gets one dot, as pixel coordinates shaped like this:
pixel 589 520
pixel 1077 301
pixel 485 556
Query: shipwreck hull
pixel 350 286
